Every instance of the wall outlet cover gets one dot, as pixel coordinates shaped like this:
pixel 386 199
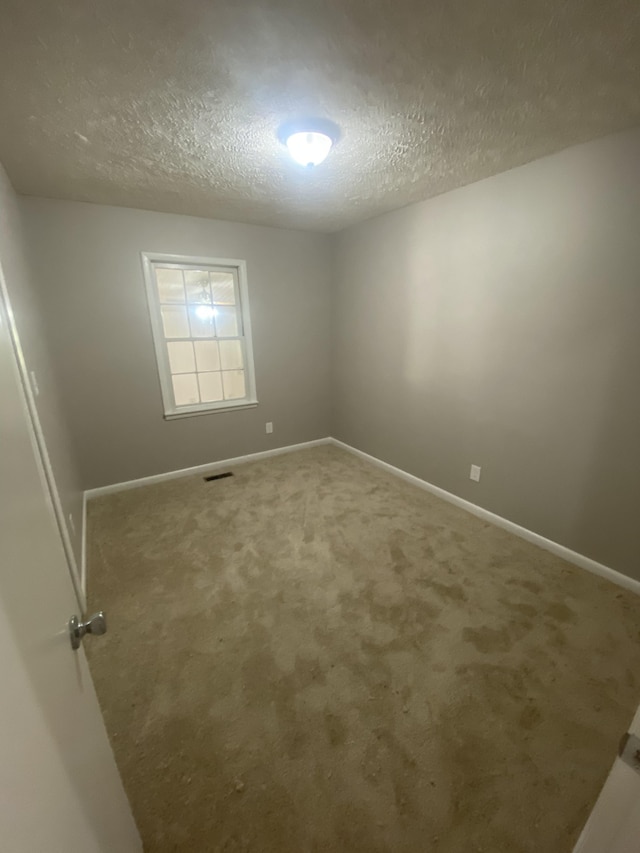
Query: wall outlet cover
pixel 269 427
pixel 475 473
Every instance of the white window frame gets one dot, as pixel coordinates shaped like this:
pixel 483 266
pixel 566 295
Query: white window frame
pixel 239 270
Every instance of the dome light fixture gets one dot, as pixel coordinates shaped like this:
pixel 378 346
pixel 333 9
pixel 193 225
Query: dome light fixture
pixel 309 147
pixel 309 141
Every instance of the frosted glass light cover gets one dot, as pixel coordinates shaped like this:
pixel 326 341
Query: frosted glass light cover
pixel 309 148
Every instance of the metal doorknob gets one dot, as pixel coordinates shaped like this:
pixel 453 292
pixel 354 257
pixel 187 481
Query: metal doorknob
pixel 96 624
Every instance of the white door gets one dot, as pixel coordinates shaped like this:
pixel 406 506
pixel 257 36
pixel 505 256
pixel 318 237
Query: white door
pixel 614 823
pixel 59 786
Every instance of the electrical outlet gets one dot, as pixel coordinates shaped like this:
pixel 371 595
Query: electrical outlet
pixel 72 524
pixel 269 427
pixel 34 383
pixel 475 473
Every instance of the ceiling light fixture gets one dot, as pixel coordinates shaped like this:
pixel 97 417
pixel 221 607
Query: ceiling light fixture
pixel 308 147
pixel 309 141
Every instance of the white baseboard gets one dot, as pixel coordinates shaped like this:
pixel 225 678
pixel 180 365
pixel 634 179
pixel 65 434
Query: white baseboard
pixel 554 547
pixel 200 469
pixel 548 545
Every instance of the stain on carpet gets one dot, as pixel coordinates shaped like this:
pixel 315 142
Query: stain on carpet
pixel 316 657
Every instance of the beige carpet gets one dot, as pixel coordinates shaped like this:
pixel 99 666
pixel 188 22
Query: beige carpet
pixel 315 656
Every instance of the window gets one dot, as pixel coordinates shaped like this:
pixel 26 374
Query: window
pixel 200 320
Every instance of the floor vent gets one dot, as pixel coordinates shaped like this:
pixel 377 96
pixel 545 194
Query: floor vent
pixel 218 476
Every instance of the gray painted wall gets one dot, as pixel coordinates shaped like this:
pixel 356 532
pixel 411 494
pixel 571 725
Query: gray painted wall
pixel 500 325
pixel 30 327
pixel 86 262
pixel 494 325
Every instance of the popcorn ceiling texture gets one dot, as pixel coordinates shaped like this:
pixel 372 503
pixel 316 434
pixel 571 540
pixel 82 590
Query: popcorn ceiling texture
pixel 175 106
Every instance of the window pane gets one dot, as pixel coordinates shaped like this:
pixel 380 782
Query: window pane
pixel 231 355
pixel 210 387
pixel 233 381
pixel 207 355
pixel 226 322
pixel 181 357
pixel 197 283
pixel 174 320
pixel 185 389
pixel 202 321
pixel 201 348
pixel 224 292
pixel 170 287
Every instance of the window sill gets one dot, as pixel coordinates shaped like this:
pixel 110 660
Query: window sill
pixel 190 413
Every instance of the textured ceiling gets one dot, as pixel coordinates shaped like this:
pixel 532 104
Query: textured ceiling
pixel 174 105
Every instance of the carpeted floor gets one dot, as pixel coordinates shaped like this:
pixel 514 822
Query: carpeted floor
pixel 313 656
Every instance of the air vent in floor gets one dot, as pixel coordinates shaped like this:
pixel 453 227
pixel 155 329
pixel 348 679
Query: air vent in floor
pixel 218 476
